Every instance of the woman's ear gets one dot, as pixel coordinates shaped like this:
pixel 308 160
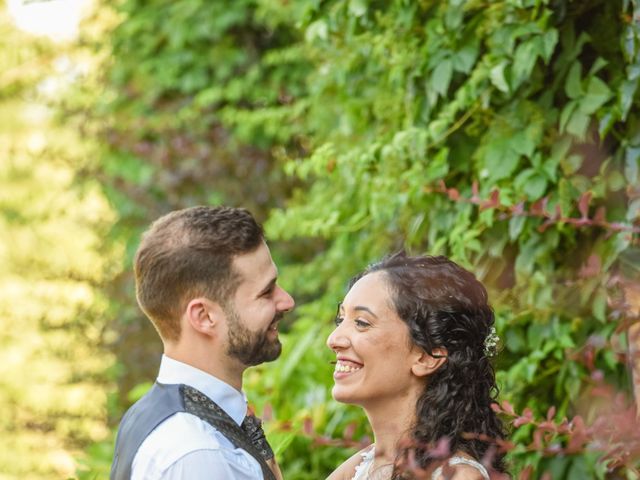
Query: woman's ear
pixel 203 315
pixel 425 364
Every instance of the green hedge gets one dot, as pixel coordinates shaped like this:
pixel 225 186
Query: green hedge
pixel 503 134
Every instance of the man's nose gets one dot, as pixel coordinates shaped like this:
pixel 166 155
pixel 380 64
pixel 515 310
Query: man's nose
pixel 286 302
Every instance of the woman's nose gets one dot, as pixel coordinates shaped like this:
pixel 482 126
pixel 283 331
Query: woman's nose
pixel 337 340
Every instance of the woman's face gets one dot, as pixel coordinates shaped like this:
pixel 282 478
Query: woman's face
pixel 372 345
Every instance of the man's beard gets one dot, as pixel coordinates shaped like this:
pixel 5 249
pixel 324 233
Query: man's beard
pixel 251 348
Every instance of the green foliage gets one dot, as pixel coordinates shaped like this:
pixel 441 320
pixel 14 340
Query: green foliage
pixel 54 386
pixel 503 134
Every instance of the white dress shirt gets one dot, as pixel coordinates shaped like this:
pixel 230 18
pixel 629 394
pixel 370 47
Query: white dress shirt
pixel 186 447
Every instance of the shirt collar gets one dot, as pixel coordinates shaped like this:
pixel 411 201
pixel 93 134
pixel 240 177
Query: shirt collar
pixel 232 401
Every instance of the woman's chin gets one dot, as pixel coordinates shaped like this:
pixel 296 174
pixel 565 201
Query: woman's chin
pixel 343 395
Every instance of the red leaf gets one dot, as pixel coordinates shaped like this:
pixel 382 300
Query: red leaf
pixel 267 413
pixel 518 422
pixel 583 204
pixel 349 431
pixel 474 190
pixel 600 215
pixel 442 448
pixel 508 408
pixel 537 439
pixel 526 473
pixel 493 202
pixel 557 213
pixel 547 223
pixel 547 426
pixel 539 208
pixel 551 413
pixel 518 208
pixel 577 424
pixel 592 267
pixel 307 426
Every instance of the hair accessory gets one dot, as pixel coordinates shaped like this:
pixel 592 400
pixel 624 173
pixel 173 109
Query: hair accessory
pixel 491 343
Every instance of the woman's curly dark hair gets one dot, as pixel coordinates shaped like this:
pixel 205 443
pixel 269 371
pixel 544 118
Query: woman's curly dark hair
pixel 445 306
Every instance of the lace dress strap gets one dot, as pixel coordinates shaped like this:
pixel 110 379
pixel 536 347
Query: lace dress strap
pixel 362 469
pixel 437 474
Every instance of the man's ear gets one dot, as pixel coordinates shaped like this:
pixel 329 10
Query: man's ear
pixel 425 364
pixel 204 315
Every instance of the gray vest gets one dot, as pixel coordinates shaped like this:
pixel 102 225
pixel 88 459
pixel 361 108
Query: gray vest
pixel 160 403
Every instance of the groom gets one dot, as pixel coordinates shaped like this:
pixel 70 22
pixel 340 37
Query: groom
pixel 206 280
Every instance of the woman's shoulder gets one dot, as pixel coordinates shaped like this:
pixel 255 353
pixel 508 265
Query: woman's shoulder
pixel 461 468
pixel 347 469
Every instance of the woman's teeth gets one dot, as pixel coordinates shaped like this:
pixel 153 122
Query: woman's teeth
pixel 341 367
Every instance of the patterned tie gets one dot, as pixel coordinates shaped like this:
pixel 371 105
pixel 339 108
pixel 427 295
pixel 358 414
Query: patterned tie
pixel 249 437
pixel 253 428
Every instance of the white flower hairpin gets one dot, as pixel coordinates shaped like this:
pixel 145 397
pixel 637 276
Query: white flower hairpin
pixel 491 343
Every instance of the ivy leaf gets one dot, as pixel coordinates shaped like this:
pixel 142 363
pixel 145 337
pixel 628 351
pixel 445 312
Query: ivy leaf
pixel 357 8
pixel 524 60
pixel 632 164
pixel 549 42
pixel 627 91
pixel 523 144
pixel 573 86
pixel 497 76
pixel 535 186
pixel 522 178
pixel 578 124
pixel 571 163
pixel 598 65
pixel 616 181
pixel 566 113
pixel 317 30
pixel 464 59
pixel 499 161
pixel 597 95
pixel 441 77
pixel 516 224
pixel 599 306
pixel 438 167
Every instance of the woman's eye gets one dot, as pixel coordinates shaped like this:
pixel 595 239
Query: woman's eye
pixel 362 324
pixel 338 320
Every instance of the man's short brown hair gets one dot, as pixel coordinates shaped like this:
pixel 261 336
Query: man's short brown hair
pixel 189 253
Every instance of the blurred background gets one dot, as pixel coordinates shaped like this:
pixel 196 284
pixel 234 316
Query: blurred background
pixel 504 134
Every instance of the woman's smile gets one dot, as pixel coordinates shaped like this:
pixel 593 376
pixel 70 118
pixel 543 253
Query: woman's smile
pixel 345 368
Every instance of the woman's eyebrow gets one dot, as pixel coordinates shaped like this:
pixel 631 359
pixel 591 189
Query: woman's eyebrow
pixel 364 309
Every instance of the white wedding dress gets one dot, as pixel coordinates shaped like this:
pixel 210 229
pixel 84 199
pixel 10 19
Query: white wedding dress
pixel 362 470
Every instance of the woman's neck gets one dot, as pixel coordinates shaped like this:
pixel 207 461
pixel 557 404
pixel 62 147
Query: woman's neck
pixel 391 422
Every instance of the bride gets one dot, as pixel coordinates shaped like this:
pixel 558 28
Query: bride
pixel 412 340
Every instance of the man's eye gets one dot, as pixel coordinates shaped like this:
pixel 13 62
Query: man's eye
pixel 362 324
pixel 338 320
